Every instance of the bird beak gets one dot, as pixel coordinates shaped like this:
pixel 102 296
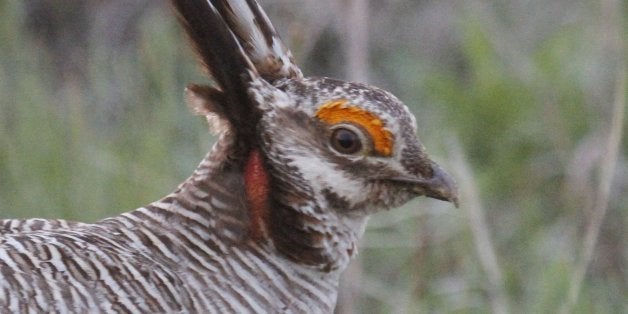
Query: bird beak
pixel 440 185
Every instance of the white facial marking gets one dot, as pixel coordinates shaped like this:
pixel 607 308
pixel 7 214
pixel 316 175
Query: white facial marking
pixel 322 174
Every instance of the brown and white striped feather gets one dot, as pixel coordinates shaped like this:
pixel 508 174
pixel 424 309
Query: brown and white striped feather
pixel 185 253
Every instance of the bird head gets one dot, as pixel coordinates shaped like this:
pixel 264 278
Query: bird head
pixel 350 146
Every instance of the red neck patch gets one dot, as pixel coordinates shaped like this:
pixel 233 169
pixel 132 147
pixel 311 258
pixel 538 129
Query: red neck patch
pixel 257 188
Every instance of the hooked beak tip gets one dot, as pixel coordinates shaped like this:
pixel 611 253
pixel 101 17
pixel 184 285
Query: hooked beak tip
pixel 443 196
pixel 441 186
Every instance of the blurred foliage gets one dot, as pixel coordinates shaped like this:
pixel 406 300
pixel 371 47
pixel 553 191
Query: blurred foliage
pixel 96 146
pixel 93 123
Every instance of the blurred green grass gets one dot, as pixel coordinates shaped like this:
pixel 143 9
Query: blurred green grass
pixel 118 135
pixel 68 151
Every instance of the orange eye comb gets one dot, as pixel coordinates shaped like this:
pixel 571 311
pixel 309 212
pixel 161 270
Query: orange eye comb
pixel 340 111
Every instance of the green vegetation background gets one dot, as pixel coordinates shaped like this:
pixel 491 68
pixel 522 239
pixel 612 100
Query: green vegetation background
pixel 514 97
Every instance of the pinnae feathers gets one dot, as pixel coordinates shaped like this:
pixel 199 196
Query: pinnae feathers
pixel 287 66
pixel 222 56
pixel 259 39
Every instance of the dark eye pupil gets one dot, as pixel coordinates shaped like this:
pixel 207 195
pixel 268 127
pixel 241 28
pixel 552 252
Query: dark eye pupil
pixel 346 141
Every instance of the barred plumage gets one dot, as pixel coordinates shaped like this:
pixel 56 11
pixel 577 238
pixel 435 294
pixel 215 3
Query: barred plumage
pixel 187 252
pixel 271 216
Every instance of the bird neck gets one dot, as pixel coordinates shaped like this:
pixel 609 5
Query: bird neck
pixel 302 225
pixel 207 226
pixel 227 215
pixel 271 212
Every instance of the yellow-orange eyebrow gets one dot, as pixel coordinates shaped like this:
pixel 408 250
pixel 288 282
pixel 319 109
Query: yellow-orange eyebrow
pixel 340 111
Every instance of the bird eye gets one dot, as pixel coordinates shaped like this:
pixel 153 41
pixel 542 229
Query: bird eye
pixel 345 141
